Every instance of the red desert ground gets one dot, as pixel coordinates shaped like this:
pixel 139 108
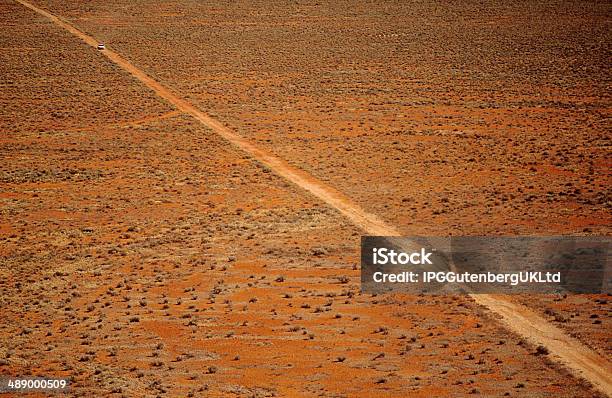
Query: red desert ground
pixel 181 211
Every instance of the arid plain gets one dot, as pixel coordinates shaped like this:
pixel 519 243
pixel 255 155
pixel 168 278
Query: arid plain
pixel 141 254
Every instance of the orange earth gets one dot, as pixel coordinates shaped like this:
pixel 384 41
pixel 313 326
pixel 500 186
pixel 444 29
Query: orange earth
pixel 143 254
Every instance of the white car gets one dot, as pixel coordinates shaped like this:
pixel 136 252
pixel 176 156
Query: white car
pixel 101 46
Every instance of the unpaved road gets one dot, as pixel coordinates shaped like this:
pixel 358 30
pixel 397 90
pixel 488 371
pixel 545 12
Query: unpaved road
pixel 567 350
pixel 521 320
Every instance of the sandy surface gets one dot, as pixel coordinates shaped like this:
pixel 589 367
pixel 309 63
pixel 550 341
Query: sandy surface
pixel 142 254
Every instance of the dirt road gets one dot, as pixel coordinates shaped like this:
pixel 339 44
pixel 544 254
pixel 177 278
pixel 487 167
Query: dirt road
pixel 519 319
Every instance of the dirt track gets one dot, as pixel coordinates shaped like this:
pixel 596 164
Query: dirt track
pixel 352 211
pixel 516 317
pixel 570 352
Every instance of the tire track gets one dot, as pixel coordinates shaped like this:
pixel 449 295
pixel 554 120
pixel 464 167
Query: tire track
pixel 516 317
pixel 127 123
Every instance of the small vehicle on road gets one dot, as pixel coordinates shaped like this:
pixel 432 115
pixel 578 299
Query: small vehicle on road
pixel 101 46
